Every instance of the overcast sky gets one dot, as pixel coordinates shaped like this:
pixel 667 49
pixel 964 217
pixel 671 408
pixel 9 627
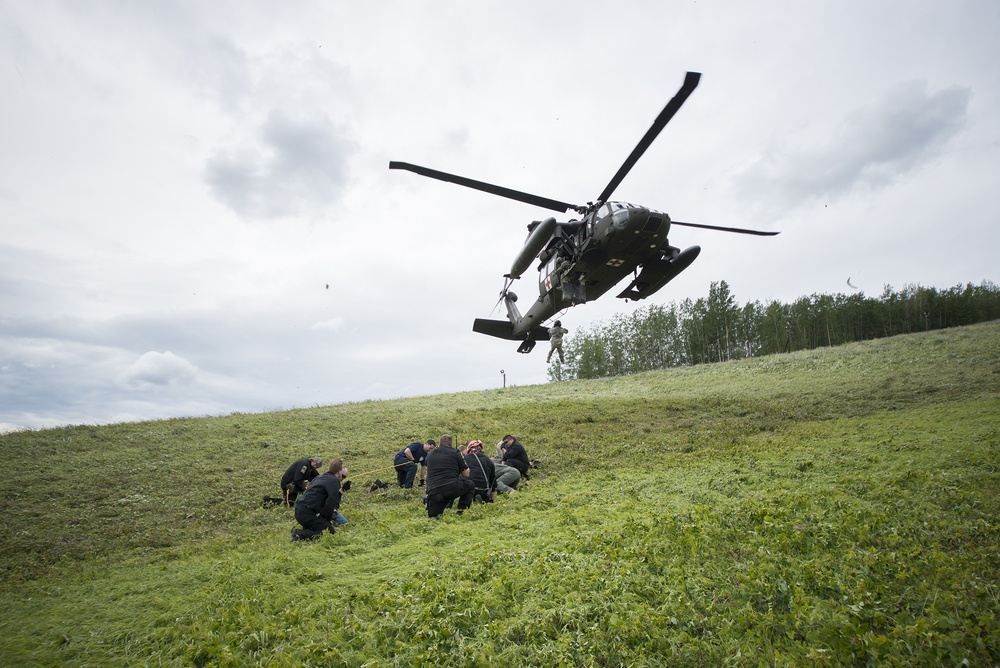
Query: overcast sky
pixel 197 218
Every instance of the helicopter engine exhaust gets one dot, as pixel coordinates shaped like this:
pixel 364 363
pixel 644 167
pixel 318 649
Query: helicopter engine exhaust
pixel 532 247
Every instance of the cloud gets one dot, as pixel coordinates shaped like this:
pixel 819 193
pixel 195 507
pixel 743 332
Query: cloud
pixel 138 142
pixel 155 368
pixel 873 146
pixel 331 325
pixel 292 165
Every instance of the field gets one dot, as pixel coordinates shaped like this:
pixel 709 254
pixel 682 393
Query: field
pixel 830 507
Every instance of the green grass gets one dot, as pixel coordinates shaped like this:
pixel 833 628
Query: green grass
pixel 831 507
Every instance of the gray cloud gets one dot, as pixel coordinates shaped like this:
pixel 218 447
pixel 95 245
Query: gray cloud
pixel 157 368
pixel 125 126
pixel 874 146
pixel 291 166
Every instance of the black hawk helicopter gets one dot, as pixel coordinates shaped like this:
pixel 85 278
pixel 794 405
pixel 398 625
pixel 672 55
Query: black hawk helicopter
pixel 581 259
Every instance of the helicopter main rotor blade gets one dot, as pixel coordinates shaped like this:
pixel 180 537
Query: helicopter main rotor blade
pixel 527 198
pixel 738 230
pixel 690 83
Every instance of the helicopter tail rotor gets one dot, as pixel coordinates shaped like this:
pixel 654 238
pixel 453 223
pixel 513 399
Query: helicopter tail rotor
pixel 507 282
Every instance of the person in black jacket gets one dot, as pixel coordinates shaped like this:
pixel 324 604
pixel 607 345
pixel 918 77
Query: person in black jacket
pixel 482 471
pixel 295 480
pixel 318 506
pixel 447 479
pixel 515 455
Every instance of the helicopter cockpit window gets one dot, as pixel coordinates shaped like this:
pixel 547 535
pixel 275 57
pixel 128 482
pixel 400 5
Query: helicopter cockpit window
pixel 605 210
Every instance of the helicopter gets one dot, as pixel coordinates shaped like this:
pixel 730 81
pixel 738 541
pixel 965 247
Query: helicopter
pixel 581 259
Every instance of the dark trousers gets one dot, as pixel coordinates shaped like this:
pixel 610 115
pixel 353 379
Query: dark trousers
pixel 406 471
pixel 312 524
pixel 444 496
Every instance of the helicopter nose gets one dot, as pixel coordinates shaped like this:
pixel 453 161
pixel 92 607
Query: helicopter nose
pixel 655 222
pixel 644 221
pixel 649 228
pixel 631 218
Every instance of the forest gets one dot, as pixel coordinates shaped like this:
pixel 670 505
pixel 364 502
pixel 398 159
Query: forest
pixel 717 329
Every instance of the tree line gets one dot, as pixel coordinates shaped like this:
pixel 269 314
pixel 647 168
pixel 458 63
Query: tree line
pixel 716 328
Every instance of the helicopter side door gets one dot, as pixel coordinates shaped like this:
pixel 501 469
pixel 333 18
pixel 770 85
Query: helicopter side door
pixel 548 277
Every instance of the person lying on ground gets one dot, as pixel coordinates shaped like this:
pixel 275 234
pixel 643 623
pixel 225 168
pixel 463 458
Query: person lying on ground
pixel 507 478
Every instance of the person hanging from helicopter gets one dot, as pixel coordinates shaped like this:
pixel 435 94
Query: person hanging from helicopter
pixel 556 333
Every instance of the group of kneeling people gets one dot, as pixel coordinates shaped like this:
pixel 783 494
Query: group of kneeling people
pixel 464 474
pixel 315 496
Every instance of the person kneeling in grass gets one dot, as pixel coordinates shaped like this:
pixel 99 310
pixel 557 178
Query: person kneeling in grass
pixel 482 471
pixel 447 479
pixel 318 507
pixel 295 480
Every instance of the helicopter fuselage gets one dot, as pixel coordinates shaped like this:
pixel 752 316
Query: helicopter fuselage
pixel 585 258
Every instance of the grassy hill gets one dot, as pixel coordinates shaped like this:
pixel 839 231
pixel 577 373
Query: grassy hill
pixel 831 507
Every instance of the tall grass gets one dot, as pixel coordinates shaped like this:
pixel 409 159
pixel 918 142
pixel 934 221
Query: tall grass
pixel 828 507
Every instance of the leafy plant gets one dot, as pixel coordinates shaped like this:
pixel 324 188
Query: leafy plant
pixel 825 507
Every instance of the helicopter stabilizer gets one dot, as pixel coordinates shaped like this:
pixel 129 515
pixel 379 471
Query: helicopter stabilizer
pixel 657 273
pixel 504 329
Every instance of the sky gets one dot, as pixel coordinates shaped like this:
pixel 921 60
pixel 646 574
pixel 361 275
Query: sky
pixel 197 216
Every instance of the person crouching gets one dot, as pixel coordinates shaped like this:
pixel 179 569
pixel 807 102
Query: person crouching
pixel 482 471
pixel 447 479
pixel 317 507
